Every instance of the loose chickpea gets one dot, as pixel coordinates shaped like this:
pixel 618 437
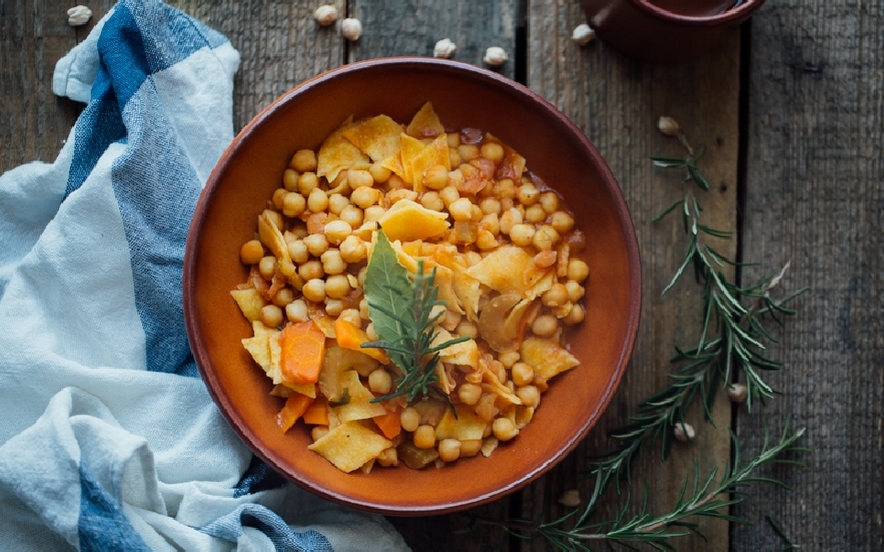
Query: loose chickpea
pixel 492 151
pixel 283 297
pixel 577 270
pixel 449 450
pixel 293 204
pixel 318 432
pixel 476 213
pixel 563 222
pixel 298 251
pixel 555 296
pixel 550 202
pixel 486 240
pixel 575 291
pixel 424 437
pixel 395 182
pixel 544 238
pixel 467 328
pixel 545 258
pixel 527 194
pixel 373 213
pixel 267 267
pixel 454 159
pixel 522 234
pixel 311 270
pixel 352 316
pixel 509 358
pixel 449 195
pixel 535 213
pixel 307 182
pixel 333 307
pixel 469 393
pixel 337 286
pixel 379 173
pixel 251 252
pixel 576 315
pixel 522 373
pixel 490 205
pixel 303 160
pixel 508 218
pixel 468 151
pixel 337 230
pixel 505 188
pixel 409 419
pixel 530 395
pixel 314 290
pixel 352 215
pixel 470 447
pixel 336 203
pixel 504 429
pixel 290 180
pixel 461 209
pixel 278 197
pixel 333 262
pixel 451 320
pixel 365 196
pixel 357 178
pixel 432 201
pixel 388 458
pixel 296 311
pixel 352 249
pixel 317 200
pixel 435 177
pixel 380 382
pixel 545 325
pixel 317 244
pixel 271 315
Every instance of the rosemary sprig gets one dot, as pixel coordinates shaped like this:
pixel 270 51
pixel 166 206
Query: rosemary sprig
pixel 403 311
pixel 706 499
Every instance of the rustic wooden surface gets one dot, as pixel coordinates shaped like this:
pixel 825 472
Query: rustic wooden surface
pixel 791 111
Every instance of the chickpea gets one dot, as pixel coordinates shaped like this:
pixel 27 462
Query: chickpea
pixel 535 213
pixel 337 230
pixel 505 189
pixel 333 307
pixel 550 202
pixel 251 252
pixel 271 316
pixel 380 382
pixel 314 290
pixel 352 215
pixel 388 457
pixel 467 328
pixel 395 182
pixel 298 251
pixel 317 244
pixel 476 213
pixel 576 315
pixel 267 267
pixel 432 201
pixel 468 151
pixel 365 196
pixel 504 429
pixel 307 182
pixel 379 173
pixel 461 209
pixel 290 180
pixel 563 222
pixel 283 297
pixel 490 205
pixel 577 270
pixel 449 195
pixel 486 240
pixel 375 212
pixel 492 151
pixel 508 219
pixel 545 258
pixel 424 437
pixel 555 296
pixel 470 447
pixel 336 203
pixel 303 160
pixel 318 432
pixel 527 194
pixel 545 325
pixel 522 373
pixel 296 311
pixel 449 450
pixel 352 249
pixel 409 419
pixel 337 286
pixel 469 393
pixel 544 238
pixel 317 200
pixel 436 177
pixel 522 234
pixel 311 270
pixel 509 358
pixel 358 178
pixel 293 204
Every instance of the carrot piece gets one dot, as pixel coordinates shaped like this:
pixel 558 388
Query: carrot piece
pixel 302 352
pixel 317 412
pixel 294 408
pixel 349 336
pixel 389 423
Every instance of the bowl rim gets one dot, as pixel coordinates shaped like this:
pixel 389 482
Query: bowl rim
pixel 494 79
pixel 729 16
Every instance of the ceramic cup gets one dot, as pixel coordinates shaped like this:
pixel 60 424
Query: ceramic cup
pixel 667 30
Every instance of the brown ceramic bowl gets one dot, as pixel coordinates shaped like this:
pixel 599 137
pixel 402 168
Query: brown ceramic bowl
pixel 464 96
pixel 667 30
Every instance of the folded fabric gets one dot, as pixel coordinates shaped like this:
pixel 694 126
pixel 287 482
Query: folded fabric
pixel 110 440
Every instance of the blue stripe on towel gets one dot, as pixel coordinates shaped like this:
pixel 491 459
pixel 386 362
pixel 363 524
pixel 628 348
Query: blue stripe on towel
pixel 102 525
pixel 230 528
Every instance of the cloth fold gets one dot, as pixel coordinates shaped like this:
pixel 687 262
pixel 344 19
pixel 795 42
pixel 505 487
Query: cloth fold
pixel 108 439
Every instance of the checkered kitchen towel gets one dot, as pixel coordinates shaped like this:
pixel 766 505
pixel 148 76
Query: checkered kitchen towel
pixel 108 438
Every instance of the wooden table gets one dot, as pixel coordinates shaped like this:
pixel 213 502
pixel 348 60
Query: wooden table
pixel 791 111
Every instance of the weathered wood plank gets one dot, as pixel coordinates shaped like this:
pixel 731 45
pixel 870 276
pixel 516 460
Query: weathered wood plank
pixel 815 196
pixel 616 101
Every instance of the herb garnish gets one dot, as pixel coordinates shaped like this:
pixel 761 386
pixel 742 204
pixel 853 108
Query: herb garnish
pixel 401 307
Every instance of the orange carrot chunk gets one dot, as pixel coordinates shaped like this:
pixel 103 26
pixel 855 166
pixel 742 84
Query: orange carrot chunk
pixel 294 408
pixel 349 336
pixel 389 423
pixel 317 412
pixel 302 352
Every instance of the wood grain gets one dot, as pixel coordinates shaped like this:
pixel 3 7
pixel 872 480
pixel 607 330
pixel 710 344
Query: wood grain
pixel 815 197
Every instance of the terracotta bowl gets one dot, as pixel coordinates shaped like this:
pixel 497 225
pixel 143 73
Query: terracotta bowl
pixel 463 96
pixel 667 31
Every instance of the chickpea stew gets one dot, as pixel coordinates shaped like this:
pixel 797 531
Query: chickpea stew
pixel 505 256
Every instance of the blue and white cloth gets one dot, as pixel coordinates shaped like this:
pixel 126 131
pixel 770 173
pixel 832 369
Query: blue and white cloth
pixel 108 438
